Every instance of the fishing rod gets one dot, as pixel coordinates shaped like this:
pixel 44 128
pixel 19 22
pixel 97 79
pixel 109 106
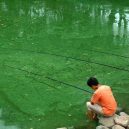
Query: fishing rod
pixel 69 85
pixel 61 82
pixel 43 83
pixel 77 59
pixel 108 53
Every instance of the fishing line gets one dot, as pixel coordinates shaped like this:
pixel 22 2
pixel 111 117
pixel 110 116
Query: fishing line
pixel 107 53
pixel 78 59
pixel 43 82
pixel 33 77
pixel 92 62
pixel 61 82
pixel 93 50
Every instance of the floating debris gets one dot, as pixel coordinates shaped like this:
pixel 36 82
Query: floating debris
pixel 30 119
pixel 69 115
pixel 70 104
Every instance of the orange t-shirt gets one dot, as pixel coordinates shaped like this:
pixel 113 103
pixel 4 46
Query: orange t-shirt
pixel 104 97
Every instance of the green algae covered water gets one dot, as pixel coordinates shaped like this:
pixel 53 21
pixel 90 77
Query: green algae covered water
pixel 68 40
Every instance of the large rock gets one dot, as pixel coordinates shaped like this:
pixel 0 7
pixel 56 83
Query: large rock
pixel 117 127
pixel 124 114
pixel 107 121
pixel 122 120
pixel 101 127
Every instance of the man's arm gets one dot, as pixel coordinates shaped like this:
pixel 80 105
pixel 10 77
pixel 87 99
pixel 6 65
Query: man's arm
pixel 95 98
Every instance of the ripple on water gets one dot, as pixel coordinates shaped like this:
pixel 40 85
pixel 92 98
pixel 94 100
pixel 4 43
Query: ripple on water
pixel 4 126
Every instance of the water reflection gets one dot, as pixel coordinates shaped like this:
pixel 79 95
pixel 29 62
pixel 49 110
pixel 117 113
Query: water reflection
pixel 121 28
pixel 4 6
pixel 37 11
pixel 100 13
pixel 98 16
pixel 3 125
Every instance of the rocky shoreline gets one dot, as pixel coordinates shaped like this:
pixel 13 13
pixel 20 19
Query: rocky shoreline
pixel 118 121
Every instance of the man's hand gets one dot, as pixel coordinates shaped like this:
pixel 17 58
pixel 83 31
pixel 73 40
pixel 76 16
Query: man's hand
pixel 92 103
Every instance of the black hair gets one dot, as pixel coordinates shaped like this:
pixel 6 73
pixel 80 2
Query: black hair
pixel 92 81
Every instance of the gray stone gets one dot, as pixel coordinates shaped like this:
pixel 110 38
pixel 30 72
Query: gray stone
pixel 117 127
pixel 62 128
pixel 124 114
pixel 116 116
pixel 101 127
pixel 107 121
pixel 121 120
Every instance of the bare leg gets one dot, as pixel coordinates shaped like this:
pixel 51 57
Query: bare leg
pixel 95 108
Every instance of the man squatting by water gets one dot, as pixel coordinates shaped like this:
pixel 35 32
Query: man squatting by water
pixel 102 101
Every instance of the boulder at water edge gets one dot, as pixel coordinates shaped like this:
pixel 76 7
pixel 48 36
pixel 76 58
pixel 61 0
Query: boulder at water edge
pixel 107 121
pixel 117 127
pixel 101 127
pixel 122 120
pixel 124 114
